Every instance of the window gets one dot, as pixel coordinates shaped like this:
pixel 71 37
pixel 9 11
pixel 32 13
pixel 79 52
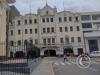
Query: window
pixel 44 41
pixel 70 18
pixel 47 19
pixel 43 20
pixel 66 29
pixel 30 31
pixel 67 40
pixel 31 41
pixel 36 30
pixel 61 40
pixel 53 40
pixel 18 22
pixel 30 21
pixel 97 24
pixel 19 42
pixel 65 19
pixel 26 32
pixel 85 17
pixel 71 28
pixel 12 43
pixel 36 41
pixel 47 12
pixel 78 29
pixel 86 25
pixel 76 18
pixel 25 42
pixel 35 21
pixel 44 30
pixel 79 39
pixel 49 41
pixel 19 32
pixel 48 30
pixel 96 17
pixel 60 28
pixel 72 39
pixel 25 21
pixel 51 19
pixel 60 19
pixel 52 29
pixel 11 32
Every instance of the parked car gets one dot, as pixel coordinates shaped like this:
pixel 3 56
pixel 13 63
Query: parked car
pixel 95 54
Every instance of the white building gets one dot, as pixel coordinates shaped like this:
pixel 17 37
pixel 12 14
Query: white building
pixel 91 29
pixel 3 16
pixel 51 31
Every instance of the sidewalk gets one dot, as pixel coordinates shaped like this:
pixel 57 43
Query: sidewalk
pixel 44 68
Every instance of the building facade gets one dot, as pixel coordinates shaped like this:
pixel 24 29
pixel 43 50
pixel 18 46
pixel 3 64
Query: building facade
pixel 56 32
pixel 91 30
pixel 3 15
pixel 53 32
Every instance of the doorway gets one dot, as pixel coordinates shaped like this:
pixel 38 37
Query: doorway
pixel 51 53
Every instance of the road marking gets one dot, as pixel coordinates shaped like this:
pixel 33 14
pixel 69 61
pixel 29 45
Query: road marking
pixel 62 63
pixel 56 63
pixel 73 62
pixel 68 63
pixel 53 69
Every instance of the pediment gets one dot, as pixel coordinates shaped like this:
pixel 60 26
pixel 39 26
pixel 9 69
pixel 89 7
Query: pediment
pixel 47 10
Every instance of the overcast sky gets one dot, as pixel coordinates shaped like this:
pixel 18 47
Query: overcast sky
pixel 69 5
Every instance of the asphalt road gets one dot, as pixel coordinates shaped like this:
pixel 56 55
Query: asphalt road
pixel 71 68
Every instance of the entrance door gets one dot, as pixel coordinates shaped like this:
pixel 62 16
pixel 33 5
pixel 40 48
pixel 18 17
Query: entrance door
pixel 51 53
pixel 80 51
pixel 68 51
pixel 93 45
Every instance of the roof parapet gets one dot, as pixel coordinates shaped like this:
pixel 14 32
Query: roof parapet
pixel 11 1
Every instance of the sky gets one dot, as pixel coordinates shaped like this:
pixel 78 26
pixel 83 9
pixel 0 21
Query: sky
pixel 24 6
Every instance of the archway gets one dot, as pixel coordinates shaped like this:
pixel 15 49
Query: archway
pixel 19 54
pixel 51 53
pixel 68 51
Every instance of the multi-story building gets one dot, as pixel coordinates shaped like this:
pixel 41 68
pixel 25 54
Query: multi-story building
pixel 3 15
pixel 53 32
pixel 91 29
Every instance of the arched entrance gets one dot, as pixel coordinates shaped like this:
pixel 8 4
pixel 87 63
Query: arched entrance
pixel 19 54
pixel 68 51
pixel 51 53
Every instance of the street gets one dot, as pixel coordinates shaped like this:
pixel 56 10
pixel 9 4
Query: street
pixel 71 67
pixel 56 66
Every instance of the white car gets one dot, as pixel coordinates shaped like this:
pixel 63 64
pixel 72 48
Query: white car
pixel 95 54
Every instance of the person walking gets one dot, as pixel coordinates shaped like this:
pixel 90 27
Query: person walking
pixel 65 57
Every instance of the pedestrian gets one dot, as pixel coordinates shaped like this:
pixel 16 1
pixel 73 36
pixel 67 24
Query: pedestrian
pixel 65 57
